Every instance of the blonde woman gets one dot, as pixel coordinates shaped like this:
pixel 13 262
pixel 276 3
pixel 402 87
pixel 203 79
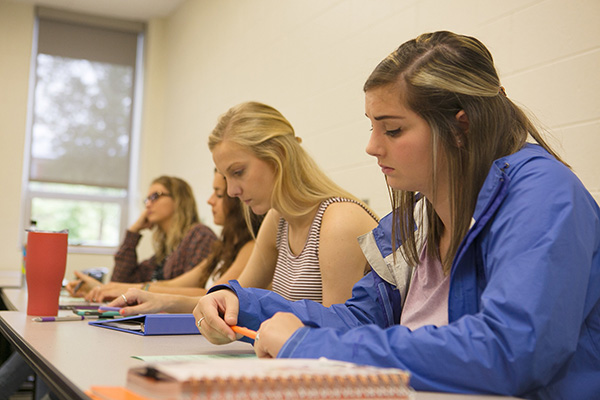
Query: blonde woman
pixel 306 247
pixel 180 241
pixel 497 290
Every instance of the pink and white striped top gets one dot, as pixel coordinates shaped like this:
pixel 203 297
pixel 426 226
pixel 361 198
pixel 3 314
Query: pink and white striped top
pixel 299 277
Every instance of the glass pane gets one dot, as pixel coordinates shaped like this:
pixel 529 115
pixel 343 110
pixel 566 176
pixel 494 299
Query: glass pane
pixel 81 122
pixel 89 223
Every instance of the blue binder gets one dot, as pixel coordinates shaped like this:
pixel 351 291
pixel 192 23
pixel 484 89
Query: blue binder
pixel 152 324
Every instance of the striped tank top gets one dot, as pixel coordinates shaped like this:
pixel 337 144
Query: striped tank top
pixel 299 277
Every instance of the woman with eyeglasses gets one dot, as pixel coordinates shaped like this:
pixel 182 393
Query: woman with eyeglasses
pixel 180 241
pixel 226 261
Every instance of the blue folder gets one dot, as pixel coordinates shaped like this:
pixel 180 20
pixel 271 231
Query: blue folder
pixel 152 324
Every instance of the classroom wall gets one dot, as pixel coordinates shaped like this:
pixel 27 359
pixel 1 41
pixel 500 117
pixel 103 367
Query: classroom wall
pixel 309 59
pixel 16 32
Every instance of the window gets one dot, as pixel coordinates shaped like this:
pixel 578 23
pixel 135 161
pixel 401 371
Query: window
pixel 86 76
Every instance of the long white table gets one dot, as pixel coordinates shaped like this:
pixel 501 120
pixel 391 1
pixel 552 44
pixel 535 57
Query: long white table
pixel 72 356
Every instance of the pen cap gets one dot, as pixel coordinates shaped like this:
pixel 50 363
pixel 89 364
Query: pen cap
pixel 44 271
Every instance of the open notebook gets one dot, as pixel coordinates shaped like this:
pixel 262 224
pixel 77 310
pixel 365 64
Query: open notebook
pixel 250 378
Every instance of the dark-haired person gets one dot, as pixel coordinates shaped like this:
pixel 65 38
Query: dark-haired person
pixel 227 261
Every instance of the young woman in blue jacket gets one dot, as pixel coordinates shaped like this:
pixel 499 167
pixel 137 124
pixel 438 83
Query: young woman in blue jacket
pixel 485 277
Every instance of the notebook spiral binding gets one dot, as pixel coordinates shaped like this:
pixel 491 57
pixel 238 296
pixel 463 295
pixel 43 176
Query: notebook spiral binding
pixel 305 386
pixel 259 379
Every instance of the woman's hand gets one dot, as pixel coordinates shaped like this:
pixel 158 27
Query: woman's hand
pixel 274 332
pixel 109 291
pixel 138 301
pixel 88 284
pixel 208 316
pixel 141 223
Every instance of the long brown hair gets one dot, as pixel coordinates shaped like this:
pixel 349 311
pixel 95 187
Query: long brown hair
pixel 442 73
pixel 185 216
pixel 234 235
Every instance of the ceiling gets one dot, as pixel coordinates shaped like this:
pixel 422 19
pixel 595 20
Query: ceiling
pixel 140 10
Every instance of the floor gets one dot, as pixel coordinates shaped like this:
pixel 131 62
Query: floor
pixel 25 392
pixel 22 396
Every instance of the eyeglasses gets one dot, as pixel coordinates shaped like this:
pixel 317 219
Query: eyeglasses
pixel 155 196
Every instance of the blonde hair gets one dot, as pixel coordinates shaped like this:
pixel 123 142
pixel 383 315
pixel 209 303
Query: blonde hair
pixel 300 185
pixel 184 217
pixel 440 74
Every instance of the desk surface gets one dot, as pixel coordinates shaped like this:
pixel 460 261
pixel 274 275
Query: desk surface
pixel 72 356
pixel 80 355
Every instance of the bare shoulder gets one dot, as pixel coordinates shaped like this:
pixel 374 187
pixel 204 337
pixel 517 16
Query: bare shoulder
pixel 270 222
pixel 246 249
pixel 347 216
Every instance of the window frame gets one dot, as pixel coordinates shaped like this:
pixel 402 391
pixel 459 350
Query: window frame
pixel 126 203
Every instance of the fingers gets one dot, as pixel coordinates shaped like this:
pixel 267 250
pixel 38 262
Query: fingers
pixel 141 223
pixel 110 291
pixel 136 310
pixel 274 332
pixel 208 313
pixel 137 306
pixel 138 302
pixel 86 278
pixel 83 286
pixel 80 287
pixel 259 349
pixel 98 294
pixel 80 275
pixel 70 287
pixel 119 301
pixel 93 294
pixel 230 311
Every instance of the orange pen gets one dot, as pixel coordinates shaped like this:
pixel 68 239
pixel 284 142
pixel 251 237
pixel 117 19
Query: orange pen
pixel 244 331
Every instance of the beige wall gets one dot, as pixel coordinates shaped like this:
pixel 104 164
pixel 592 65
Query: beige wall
pixel 309 59
pixel 16 32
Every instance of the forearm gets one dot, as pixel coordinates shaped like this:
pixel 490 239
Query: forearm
pixel 155 287
pixel 257 305
pixel 180 304
pixel 193 249
pixel 126 268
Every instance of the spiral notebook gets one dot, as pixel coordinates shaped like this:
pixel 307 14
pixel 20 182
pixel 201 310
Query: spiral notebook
pixel 248 378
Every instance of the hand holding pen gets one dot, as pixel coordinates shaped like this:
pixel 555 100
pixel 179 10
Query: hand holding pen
pixel 82 285
pixel 274 332
pixel 244 331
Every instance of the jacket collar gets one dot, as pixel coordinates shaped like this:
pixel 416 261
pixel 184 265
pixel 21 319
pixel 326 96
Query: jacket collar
pixel 377 244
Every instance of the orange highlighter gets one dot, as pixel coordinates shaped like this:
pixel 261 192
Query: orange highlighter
pixel 244 331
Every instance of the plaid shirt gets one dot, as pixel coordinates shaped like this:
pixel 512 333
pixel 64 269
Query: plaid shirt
pixel 194 247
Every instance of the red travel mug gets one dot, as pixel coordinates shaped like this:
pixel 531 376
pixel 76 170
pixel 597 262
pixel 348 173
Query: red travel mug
pixel 45 266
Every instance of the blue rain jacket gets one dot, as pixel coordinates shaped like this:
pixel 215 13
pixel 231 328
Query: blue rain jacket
pixel 523 307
